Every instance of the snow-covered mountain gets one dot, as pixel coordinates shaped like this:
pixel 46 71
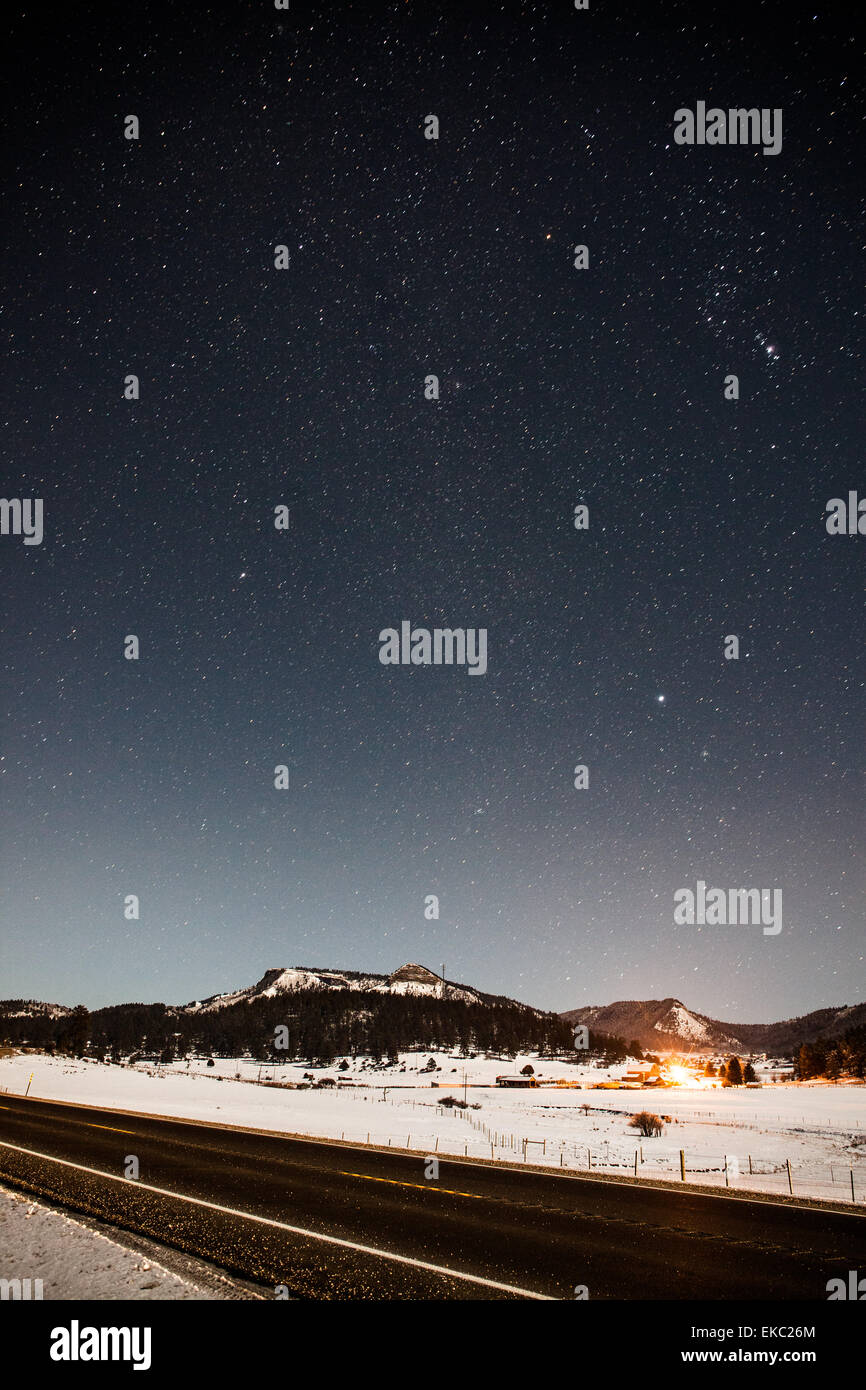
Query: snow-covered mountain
pixel 666 1024
pixel 660 1023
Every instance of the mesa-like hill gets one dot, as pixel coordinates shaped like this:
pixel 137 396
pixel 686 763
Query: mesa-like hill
pixel 323 1013
pixel 409 979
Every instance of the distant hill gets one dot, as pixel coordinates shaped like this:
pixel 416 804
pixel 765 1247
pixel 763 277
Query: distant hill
pixel 667 1025
pixel 31 1008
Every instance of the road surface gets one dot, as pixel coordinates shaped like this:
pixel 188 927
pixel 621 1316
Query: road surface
pixel 328 1220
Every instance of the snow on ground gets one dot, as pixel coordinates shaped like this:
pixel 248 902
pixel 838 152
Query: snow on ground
pixel 72 1261
pixel 819 1129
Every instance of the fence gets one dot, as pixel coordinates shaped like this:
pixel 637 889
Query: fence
pixel 473 1137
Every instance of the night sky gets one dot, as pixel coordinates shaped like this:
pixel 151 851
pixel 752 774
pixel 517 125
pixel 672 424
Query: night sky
pixel 305 387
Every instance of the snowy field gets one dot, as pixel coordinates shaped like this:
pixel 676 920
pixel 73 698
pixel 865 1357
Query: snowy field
pixel 819 1129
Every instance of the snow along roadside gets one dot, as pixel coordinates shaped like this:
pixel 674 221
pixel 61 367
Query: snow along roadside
pixel 75 1261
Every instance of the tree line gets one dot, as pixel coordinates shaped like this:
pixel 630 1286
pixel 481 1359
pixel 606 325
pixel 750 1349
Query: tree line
pixel 732 1072
pixel 310 1025
pixel 832 1057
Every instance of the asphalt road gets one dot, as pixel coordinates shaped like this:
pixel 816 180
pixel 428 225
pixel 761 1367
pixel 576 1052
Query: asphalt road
pixel 341 1221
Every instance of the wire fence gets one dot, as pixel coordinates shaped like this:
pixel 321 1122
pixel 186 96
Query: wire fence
pixel 472 1136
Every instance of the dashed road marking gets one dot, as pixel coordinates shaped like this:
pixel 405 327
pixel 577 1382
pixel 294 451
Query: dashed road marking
pixel 421 1186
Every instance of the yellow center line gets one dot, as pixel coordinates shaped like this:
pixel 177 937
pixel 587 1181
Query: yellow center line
pixel 421 1186
pixel 90 1125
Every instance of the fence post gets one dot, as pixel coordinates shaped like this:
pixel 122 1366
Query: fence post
pixel 852 1186
pixel 635 1162
pixel 790 1183
pixel 683 1164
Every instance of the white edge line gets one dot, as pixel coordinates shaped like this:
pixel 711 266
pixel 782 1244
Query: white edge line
pixel 284 1226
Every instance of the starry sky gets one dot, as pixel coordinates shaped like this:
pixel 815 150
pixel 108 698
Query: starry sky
pixel 304 387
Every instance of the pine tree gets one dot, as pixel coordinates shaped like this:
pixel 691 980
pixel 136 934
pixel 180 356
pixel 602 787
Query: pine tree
pixel 734 1072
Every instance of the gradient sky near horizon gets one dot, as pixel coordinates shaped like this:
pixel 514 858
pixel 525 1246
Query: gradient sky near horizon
pixel 305 387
